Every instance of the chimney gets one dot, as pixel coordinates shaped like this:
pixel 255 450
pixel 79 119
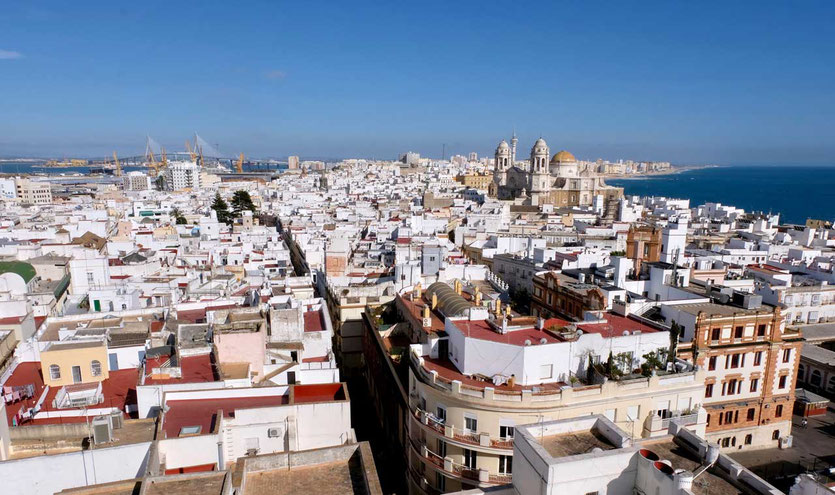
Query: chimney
pixel 511 382
pixel 540 323
pixel 418 291
pixel 498 307
pixel 434 300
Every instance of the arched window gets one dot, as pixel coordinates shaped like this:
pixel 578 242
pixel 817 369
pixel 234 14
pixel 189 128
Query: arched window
pixel 95 368
pixel 831 385
pixel 54 372
pixel 801 372
pixel 816 378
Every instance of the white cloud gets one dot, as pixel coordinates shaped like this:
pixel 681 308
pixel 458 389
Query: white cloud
pixel 9 55
pixel 276 74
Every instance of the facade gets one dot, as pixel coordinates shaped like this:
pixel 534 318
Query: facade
pixel 74 362
pixel 643 244
pixel 469 389
pixel 182 175
pixel 751 359
pixel 556 294
pixel 293 162
pixel 33 192
pixel 136 181
pixel 559 182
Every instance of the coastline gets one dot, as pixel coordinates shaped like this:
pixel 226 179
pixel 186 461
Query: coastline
pixel 671 171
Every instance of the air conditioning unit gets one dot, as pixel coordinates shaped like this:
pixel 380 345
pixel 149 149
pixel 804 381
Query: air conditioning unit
pixel 102 430
pixel 786 442
pixel 275 432
pixel 117 420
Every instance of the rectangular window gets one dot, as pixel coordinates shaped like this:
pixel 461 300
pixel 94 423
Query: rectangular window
pixel 505 464
pixel 782 381
pixel 715 333
pixel 754 383
pixel 440 413
pixel 787 354
pixel 506 432
pixel 758 358
pixel 732 387
pixel 738 332
pixel 761 330
pixel 711 363
pixel 779 411
pixel 751 413
pixel 735 361
pixel 440 482
pixel 709 390
pixel 470 458
pixel 470 423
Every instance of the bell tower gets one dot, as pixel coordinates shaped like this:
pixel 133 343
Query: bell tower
pixel 539 176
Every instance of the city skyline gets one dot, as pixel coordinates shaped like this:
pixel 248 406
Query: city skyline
pixel 696 84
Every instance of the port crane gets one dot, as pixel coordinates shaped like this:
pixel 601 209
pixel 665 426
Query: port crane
pixel 117 165
pixel 240 165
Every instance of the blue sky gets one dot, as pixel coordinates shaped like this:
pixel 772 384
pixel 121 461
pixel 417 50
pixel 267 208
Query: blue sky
pixel 690 82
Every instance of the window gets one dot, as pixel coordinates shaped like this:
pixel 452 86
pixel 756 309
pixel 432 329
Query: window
pixel 709 390
pixel 775 435
pixel 751 413
pixel 815 379
pixel 711 363
pixel 801 372
pixel 726 442
pixel 782 382
pixel 440 482
pixel 89 277
pixel 787 354
pixel 506 432
pixel 470 458
pixel 735 361
pixel 779 411
pixel 738 332
pixel 748 439
pixel 470 423
pixel 505 464
pixel 731 390
pixel 54 372
pixel 76 374
pixel 761 330
pixel 758 358
pixel 754 383
pixel 729 417
pixel 95 368
pixel 715 333
pixel 441 448
pixel 546 371
pixel 440 413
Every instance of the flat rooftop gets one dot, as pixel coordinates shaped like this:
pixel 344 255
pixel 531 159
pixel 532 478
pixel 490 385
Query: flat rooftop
pixel 575 443
pixel 715 309
pixel 186 484
pixel 341 470
pixel 680 458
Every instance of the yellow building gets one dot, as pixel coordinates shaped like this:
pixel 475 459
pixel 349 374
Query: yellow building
pixel 74 362
pixel 475 181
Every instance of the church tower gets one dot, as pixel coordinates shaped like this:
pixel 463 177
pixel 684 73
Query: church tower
pixel 513 142
pixel 503 163
pixel 539 174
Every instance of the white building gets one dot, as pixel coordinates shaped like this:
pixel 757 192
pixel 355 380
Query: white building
pixel 182 175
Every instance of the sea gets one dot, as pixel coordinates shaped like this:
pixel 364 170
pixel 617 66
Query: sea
pixel 796 192
pixel 30 167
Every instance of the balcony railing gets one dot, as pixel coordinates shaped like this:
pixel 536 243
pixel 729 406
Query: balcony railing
pixel 456 470
pixel 461 435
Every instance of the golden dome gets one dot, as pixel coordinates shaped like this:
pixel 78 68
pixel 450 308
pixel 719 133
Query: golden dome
pixel 563 157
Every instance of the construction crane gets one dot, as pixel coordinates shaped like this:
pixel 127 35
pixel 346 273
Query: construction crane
pixel 240 164
pixel 117 164
pixel 191 153
pixel 202 162
pixel 164 161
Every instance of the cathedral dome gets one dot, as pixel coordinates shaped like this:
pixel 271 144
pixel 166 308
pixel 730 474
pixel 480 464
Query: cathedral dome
pixel 503 146
pixel 563 157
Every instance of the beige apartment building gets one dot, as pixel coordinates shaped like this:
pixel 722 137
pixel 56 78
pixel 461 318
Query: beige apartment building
pixel 33 192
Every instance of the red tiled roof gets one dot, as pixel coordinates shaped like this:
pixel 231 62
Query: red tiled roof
pixel 194 369
pixel 314 321
pixel 203 412
pixel 480 329
pixel 11 320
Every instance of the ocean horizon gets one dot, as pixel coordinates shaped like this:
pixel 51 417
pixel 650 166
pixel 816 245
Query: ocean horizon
pixel 797 192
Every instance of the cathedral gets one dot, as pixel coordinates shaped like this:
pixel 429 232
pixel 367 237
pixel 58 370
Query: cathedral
pixel 559 180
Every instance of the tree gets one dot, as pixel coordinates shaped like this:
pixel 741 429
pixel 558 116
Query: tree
pixel 241 201
pixel 221 209
pixel 178 216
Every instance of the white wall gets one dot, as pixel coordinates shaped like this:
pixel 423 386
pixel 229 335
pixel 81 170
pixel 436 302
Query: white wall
pixel 45 475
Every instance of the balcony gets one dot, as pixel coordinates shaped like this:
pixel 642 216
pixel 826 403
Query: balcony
pixel 463 438
pixel 477 476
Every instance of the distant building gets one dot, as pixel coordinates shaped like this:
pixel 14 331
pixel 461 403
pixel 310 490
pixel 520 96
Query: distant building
pixel 32 192
pixel 293 162
pixel 182 175
pixel 136 181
